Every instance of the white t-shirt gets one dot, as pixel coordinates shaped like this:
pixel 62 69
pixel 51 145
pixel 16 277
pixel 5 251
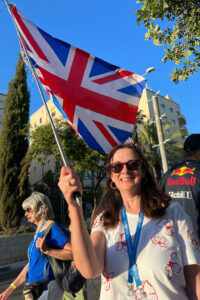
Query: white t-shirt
pixel 166 245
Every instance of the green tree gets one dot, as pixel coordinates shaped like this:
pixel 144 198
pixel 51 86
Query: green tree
pixel 13 148
pixel 140 117
pixel 175 24
pixel 77 152
pixel 174 147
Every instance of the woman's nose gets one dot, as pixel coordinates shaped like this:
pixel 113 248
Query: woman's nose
pixel 124 169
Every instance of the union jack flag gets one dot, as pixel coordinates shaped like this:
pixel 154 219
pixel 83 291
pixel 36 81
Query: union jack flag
pixel 99 99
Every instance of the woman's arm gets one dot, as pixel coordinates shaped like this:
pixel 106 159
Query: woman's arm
pixel 16 283
pixel 88 252
pixel 192 277
pixel 62 254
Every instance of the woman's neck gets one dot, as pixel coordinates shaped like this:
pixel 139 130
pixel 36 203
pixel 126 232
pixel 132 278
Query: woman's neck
pixel 132 204
pixel 39 223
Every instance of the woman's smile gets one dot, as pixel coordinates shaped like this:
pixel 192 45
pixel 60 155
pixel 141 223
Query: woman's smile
pixel 126 178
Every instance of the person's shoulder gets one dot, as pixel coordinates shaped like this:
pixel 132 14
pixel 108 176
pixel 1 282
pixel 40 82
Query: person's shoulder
pixel 174 167
pixel 194 163
pixel 165 176
pixel 58 228
pixel 175 209
pixel 174 205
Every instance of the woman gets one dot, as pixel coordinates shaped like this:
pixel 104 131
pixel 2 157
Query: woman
pixel 142 245
pixel 38 210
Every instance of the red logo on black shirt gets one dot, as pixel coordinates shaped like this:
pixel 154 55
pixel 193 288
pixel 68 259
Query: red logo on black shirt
pixel 182 181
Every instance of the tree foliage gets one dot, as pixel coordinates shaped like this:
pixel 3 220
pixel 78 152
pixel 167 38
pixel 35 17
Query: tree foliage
pixel 13 148
pixel 175 24
pixel 174 148
pixel 82 157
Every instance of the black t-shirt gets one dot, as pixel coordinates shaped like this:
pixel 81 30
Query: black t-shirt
pixel 182 183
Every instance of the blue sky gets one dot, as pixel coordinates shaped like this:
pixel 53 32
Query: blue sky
pixel 106 29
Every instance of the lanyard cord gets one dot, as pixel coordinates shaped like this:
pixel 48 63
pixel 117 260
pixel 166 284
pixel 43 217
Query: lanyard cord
pixel 132 246
pixel 33 242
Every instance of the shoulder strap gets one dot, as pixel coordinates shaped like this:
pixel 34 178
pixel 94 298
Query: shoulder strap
pixel 46 231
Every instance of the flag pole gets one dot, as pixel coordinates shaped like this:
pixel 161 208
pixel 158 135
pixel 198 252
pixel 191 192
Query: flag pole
pixel 77 195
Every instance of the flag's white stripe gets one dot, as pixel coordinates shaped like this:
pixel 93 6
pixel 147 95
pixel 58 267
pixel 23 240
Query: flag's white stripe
pixel 54 63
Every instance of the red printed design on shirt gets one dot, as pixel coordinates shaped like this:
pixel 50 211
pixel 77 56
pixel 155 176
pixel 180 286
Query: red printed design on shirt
pixel 161 241
pixel 147 292
pixel 120 242
pixel 173 266
pixel 168 226
pixel 107 279
pixel 193 239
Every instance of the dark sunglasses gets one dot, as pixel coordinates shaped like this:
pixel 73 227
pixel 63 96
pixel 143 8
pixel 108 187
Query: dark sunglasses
pixel 132 165
pixel 28 210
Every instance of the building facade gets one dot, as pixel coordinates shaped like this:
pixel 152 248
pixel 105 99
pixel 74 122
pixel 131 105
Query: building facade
pixel 40 117
pixel 169 111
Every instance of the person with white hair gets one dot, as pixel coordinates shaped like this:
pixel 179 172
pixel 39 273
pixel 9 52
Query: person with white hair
pixel 41 284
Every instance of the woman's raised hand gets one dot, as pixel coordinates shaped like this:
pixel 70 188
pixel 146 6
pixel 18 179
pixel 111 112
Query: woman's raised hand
pixel 68 184
pixel 42 245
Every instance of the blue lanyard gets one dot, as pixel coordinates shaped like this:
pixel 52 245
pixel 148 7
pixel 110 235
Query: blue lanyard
pixel 132 246
pixel 30 249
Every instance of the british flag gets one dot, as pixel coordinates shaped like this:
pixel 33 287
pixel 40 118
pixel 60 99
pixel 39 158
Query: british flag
pixel 99 99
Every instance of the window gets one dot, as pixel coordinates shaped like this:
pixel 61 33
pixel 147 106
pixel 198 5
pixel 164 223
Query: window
pixel 164 118
pixel 173 122
pixel 53 114
pixel 171 109
pixel 167 131
pixel 162 106
pixel 40 120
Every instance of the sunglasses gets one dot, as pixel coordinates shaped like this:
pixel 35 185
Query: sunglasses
pixel 27 210
pixel 132 165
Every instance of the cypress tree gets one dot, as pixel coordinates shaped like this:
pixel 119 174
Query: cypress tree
pixel 13 148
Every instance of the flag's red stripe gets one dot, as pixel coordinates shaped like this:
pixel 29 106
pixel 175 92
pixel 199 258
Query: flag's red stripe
pixel 106 133
pixel 78 67
pixel 75 95
pixel 110 78
pixel 27 34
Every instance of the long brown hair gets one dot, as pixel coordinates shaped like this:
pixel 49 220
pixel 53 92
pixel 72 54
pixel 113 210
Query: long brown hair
pixel 153 201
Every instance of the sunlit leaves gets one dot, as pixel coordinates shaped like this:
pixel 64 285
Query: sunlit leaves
pixel 175 24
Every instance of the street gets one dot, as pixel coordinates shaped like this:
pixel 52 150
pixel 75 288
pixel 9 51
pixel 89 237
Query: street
pixel 6 278
pixel 8 275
